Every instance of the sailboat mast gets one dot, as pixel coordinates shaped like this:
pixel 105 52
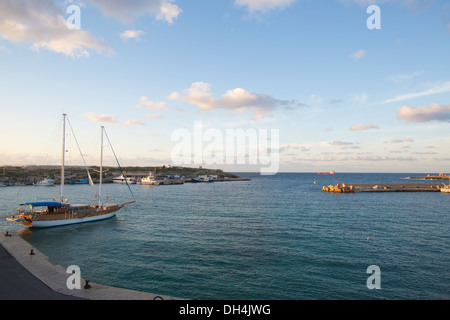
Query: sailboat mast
pixel 101 171
pixel 63 156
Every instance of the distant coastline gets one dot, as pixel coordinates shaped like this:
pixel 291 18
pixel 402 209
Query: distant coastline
pixel 27 175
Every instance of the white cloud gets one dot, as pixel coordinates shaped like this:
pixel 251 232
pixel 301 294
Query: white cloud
pixel 93 117
pixel 130 123
pixel 126 11
pixel 238 100
pixel 435 112
pixel 43 25
pixel 145 103
pixel 359 54
pixel 263 5
pixel 132 34
pixel 168 12
pixel 361 127
pixel 436 89
pixel 340 143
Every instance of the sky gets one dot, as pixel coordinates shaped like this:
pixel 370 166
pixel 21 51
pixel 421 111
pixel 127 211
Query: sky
pixel 315 80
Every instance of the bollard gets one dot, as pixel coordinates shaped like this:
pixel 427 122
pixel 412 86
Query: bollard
pixel 87 285
pixel 31 252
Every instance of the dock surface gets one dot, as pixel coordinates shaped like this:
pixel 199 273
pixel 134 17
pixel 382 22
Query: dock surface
pixel 33 277
pixel 397 187
pixel 384 187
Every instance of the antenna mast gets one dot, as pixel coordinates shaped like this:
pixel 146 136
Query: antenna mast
pixel 101 171
pixel 63 157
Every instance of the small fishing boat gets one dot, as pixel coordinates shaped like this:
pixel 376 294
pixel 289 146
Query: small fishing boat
pixel 60 213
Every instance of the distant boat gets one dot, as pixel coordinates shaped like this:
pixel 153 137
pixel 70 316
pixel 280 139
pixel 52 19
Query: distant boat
pixel 149 181
pixel 330 172
pixel 60 213
pixel 202 179
pixel 81 181
pixel 47 182
pixel 123 179
pixel 446 188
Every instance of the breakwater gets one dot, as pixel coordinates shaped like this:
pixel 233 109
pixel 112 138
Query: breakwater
pixel 384 187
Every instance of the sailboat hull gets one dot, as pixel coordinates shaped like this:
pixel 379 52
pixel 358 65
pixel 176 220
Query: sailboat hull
pixel 57 223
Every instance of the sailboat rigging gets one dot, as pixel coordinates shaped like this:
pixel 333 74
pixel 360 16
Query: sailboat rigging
pixel 63 213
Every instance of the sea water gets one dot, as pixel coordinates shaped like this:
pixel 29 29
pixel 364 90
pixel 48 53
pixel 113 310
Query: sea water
pixel 274 237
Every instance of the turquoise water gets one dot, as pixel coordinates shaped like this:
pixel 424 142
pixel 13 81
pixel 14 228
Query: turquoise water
pixel 274 237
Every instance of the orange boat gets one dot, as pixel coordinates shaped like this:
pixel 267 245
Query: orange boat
pixel 331 172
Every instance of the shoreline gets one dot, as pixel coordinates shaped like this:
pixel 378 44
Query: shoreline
pixel 53 276
pixel 28 175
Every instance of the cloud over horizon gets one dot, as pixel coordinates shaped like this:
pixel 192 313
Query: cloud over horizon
pixel 360 127
pixel 435 112
pixel 237 100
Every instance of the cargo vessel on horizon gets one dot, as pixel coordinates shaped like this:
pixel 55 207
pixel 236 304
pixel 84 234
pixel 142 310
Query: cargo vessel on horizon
pixel 329 172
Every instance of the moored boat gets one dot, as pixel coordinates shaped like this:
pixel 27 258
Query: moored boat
pixel 47 182
pixel 202 179
pixel 59 213
pixel 149 180
pixel 124 180
pixel 445 188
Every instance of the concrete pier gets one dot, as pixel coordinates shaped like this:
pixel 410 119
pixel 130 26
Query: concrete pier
pixel 384 187
pixel 397 187
pixel 25 276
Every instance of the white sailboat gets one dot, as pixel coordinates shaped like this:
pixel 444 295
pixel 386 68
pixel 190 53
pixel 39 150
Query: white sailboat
pixel 59 213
